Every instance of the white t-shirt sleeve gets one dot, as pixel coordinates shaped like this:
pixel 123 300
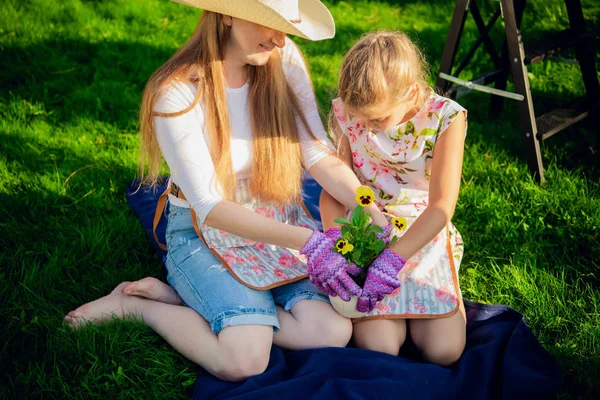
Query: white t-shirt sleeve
pixel 297 75
pixel 183 145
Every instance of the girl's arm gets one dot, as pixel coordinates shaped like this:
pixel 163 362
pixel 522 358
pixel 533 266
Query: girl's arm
pixel 443 191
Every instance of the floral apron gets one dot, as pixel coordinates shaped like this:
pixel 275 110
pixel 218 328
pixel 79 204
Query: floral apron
pixel 257 265
pixel 396 164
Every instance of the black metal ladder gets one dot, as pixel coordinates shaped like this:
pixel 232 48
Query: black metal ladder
pixel 514 58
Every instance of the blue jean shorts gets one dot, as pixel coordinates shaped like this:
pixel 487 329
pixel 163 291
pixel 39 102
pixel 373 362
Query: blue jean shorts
pixel 206 286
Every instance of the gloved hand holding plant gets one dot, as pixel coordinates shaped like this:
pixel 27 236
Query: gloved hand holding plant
pixel 363 245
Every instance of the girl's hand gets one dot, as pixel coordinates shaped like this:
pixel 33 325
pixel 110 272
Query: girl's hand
pixel 327 269
pixel 382 279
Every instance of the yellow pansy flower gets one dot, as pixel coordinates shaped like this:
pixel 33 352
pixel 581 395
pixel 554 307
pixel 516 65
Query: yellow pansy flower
pixel 399 223
pixel 343 246
pixel 365 196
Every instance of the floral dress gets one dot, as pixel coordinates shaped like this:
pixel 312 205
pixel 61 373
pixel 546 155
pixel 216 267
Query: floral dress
pixel 396 164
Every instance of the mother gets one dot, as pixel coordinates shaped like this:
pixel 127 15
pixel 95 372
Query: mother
pixel 234 114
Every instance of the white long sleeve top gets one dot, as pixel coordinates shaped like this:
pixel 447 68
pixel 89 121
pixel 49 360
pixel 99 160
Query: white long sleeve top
pixel 183 140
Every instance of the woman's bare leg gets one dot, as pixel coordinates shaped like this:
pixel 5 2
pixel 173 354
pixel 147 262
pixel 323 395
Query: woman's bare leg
pixel 235 354
pixel 309 323
pixel 153 289
pixel 383 335
pixel 442 341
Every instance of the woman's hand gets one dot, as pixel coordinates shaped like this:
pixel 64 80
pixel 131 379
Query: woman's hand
pixel 382 279
pixel 327 269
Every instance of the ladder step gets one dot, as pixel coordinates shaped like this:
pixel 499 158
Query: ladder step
pixel 550 45
pixel 558 119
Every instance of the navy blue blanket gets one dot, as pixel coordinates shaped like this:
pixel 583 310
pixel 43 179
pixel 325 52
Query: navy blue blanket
pixel 502 359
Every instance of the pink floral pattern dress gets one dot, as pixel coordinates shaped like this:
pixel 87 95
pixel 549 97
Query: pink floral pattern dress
pixel 396 164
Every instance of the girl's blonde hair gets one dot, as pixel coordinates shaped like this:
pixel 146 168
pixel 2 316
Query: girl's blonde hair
pixel 382 67
pixel 276 168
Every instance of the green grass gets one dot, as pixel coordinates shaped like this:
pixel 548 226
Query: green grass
pixel 72 73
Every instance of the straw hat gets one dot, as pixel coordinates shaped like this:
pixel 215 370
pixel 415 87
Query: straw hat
pixel 309 19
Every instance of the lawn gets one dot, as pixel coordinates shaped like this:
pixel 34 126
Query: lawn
pixel 71 78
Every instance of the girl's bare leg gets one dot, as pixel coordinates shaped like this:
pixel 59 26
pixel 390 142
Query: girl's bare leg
pixel 383 335
pixel 442 341
pixel 312 324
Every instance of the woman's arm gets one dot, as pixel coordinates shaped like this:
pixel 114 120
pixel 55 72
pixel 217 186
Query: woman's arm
pixel 337 178
pixel 341 183
pixel 240 221
pixel 443 191
pixel 185 150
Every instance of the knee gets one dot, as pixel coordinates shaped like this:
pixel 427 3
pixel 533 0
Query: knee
pixel 389 343
pixel 237 365
pixel 331 332
pixel 444 354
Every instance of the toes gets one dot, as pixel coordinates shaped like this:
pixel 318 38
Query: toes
pixel 74 321
pixel 121 287
pixel 79 310
pixel 132 288
pixel 144 286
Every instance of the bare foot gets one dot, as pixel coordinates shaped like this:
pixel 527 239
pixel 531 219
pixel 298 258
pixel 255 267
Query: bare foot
pixel 105 308
pixel 153 289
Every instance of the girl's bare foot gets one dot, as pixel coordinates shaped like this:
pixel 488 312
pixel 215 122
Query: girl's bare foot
pixel 153 289
pixel 96 311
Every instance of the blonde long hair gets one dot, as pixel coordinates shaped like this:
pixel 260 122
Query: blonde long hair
pixel 274 108
pixel 382 67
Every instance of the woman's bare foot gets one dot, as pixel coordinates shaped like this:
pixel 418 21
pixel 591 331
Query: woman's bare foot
pixel 153 289
pixel 105 308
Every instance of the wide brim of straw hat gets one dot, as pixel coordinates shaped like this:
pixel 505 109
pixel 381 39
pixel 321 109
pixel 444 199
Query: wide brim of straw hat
pixel 315 22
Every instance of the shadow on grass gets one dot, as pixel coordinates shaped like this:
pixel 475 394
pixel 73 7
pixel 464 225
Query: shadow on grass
pixel 77 79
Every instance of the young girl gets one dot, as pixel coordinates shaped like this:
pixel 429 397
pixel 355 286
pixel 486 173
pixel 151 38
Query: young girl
pixel 234 114
pixel 406 143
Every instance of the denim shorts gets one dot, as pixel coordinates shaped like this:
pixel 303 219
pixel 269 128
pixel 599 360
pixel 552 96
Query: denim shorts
pixel 206 286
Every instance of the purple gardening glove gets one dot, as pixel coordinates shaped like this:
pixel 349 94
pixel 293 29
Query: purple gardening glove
pixel 327 269
pixel 382 279
pixel 385 235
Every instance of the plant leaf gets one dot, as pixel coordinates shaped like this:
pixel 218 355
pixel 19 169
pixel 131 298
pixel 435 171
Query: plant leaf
pixel 346 231
pixel 343 221
pixel 357 213
pixel 375 229
pixel 356 257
